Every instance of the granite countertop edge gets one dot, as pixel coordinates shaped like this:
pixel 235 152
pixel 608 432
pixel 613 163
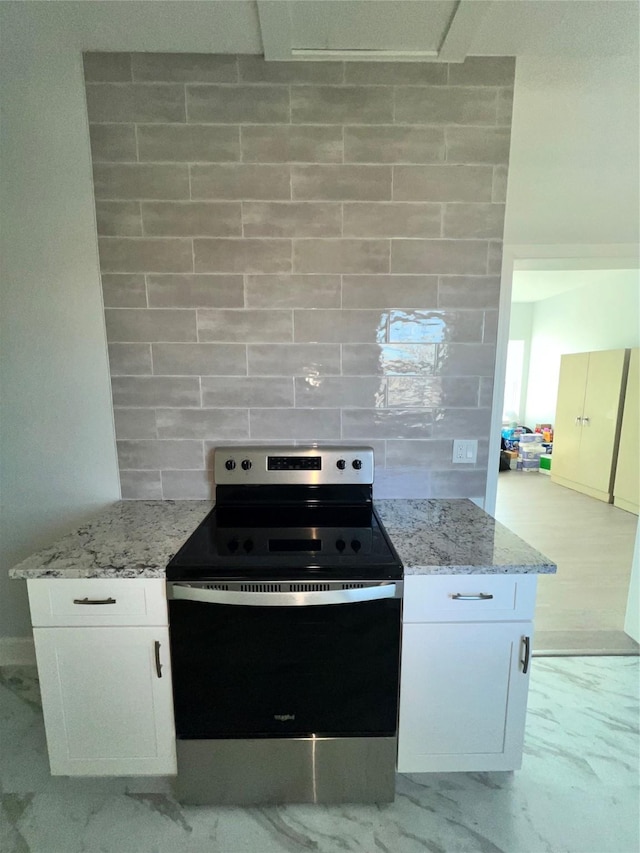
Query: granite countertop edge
pixel 136 539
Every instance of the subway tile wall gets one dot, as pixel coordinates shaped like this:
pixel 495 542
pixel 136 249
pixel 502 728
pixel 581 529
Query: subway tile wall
pixel 299 252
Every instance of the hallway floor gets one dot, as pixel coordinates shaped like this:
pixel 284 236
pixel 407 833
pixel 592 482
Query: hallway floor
pixel 581 609
pixel 577 791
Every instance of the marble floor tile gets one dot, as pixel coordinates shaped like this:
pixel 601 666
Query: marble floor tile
pixel 578 790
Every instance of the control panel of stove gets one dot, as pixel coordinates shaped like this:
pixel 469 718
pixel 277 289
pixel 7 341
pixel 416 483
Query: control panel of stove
pixel 293 541
pixel 278 464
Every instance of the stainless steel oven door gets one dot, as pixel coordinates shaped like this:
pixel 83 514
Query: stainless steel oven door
pixel 285 660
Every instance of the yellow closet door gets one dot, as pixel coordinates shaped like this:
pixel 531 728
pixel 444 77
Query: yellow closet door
pixel 569 409
pixel 600 419
pixel 626 491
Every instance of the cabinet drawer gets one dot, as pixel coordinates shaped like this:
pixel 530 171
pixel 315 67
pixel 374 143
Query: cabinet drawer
pixel 97 601
pixel 467 598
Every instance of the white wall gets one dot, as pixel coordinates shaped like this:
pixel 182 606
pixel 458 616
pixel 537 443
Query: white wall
pixel 574 160
pixel 520 326
pixel 599 316
pixel 58 448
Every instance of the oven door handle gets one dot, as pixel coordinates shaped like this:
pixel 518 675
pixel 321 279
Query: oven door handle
pixel 285 599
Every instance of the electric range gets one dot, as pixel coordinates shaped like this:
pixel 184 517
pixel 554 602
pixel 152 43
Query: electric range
pixel 284 612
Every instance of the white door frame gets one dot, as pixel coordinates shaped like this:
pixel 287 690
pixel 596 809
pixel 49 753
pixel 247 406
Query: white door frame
pixel 550 257
pixel 539 257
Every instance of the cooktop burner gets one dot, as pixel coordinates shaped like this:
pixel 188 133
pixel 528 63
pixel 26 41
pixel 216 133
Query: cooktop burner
pixel 284 513
pixel 339 545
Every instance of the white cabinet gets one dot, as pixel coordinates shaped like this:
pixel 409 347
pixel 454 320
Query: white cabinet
pixel 466 643
pixel 106 688
pixel 588 414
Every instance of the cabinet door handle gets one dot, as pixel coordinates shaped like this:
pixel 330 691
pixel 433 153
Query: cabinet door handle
pixel 586 422
pixel 578 421
pixel 156 647
pixel 94 601
pixel 480 596
pixel 526 641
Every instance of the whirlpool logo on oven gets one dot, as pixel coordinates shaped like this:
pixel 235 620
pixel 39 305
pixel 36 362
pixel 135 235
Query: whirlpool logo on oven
pixel 284 717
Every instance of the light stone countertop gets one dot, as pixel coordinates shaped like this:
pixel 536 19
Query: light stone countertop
pixel 447 537
pixel 130 539
pixel 136 539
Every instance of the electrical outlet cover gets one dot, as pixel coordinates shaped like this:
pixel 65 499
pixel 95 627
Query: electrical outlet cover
pixel 465 451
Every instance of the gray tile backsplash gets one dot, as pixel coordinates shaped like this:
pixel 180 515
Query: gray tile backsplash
pixel 184 67
pixel 394 144
pixel 185 143
pixel 341 105
pixel 130 359
pixel 290 143
pixel 195 291
pixel 233 104
pixel 446 105
pixel 117 102
pixel 297 252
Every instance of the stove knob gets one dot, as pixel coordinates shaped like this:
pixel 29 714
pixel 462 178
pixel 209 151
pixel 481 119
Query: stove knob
pixel 356 545
pixel 357 464
pixel 248 545
pixel 230 464
pixel 246 464
pixel 341 545
pixel 232 545
pixel 341 464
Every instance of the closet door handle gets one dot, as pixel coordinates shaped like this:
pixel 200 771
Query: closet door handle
pixel 586 422
pixel 526 642
pixel 156 647
pixel 578 421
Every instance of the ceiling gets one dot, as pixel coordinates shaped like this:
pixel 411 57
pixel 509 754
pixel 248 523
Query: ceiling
pixel 445 30
pixel 424 30
pixel 535 285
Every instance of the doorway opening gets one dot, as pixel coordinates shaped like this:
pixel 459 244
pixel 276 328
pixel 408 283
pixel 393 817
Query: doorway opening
pixel 568 306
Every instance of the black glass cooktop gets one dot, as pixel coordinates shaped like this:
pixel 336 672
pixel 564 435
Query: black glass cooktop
pixel 277 542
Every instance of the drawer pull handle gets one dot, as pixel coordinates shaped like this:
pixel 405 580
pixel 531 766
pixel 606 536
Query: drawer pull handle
pixel 481 596
pixel 158 664
pixel 527 655
pixel 94 601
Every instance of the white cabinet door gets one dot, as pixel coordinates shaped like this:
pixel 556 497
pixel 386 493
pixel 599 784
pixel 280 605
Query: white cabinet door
pixel 585 437
pixel 107 701
pixel 463 696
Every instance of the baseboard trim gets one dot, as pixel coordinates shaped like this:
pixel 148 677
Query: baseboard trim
pixel 573 653
pixel 598 494
pixel 582 643
pixel 17 651
pixel 627 506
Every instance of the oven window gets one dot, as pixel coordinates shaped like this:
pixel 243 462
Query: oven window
pixel 242 671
